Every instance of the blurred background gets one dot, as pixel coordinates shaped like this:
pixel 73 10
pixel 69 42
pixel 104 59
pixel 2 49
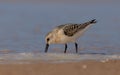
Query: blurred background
pixel 24 24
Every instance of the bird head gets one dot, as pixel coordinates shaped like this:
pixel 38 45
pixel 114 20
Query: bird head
pixel 49 38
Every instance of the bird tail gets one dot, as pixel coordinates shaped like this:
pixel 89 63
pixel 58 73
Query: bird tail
pixel 89 22
pixel 92 21
pixel 84 25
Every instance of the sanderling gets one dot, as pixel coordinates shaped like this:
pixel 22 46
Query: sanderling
pixel 67 33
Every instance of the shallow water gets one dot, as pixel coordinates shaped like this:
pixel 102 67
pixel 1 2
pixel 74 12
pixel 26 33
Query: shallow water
pixel 23 27
pixel 27 58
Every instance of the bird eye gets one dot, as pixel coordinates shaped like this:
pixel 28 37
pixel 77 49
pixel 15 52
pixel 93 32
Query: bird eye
pixel 48 39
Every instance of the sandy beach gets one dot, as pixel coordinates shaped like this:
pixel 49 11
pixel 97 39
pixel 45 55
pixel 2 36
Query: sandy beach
pixel 69 68
pixel 24 25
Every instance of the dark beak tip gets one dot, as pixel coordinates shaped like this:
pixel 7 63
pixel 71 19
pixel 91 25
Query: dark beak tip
pixel 46 48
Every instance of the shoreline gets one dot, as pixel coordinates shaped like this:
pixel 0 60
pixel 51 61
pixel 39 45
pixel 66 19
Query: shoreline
pixel 88 67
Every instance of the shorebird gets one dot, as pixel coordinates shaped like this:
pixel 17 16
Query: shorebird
pixel 67 33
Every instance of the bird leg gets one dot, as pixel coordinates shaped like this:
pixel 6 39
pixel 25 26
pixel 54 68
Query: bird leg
pixel 65 48
pixel 76 47
pixel 46 48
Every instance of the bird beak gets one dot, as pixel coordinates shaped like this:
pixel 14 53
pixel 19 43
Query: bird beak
pixel 46 48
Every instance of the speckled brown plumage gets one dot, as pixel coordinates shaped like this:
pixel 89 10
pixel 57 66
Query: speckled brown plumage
pixel 72 29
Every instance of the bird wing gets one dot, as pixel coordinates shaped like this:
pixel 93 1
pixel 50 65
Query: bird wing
pixel 63 25
pixel 70 30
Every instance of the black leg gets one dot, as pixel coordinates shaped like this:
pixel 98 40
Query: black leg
pixel 46 48
pixel 76 46
pixel 65 48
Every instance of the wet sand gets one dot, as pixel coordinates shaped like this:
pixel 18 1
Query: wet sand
pixel 111 67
